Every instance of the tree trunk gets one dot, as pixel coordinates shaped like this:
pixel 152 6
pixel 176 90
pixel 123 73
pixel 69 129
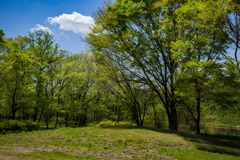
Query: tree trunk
pixel 198 115
pixel 14 106
pixel 66 120
pixel 35 114
pixel 47 120
pixel 47 123
pixel 155 116
pixel 172 120
pixel 13 112
pixel 56 120
pixel 84 120
pixel 40 117
pixel 135 117
pixel 170 105
pixel 119 113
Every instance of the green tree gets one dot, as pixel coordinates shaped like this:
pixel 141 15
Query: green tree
pixel 139 35
pixel 198 49
pixel 147 37
pixel 80 93
pixel 46 55
pixel 16 65
pixel 131 94
pixel 1 36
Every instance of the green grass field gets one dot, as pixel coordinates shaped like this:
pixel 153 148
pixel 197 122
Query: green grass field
pixel 116 143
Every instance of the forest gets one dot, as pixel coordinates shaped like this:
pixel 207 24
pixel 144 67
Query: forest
pixel 171 64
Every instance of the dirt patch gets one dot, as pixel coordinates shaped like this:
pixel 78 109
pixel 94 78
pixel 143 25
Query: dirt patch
pixel 4 157
pixel 5 151
pixel 105 135
pixel 16 149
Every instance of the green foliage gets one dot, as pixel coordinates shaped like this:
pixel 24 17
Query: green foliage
pixel 15 71
pixel 16 125
pixel 153 62
pixel 109 123
pixel 140 46
pixel 1 39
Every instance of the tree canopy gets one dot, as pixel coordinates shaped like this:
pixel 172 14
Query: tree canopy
pixel 153 62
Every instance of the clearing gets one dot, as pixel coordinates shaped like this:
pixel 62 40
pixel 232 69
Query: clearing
pixel 115 143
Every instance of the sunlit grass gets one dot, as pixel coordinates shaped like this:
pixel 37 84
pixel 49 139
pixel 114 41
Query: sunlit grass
pixel 116 143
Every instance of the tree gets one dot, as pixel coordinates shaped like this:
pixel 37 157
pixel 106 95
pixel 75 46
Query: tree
pixel 145 37
pixel 16 65
pixel 138 35
pixel 198 50
pixel 1 36
pixel 81 91
pixel 132 94
pixel 233 34
pixel 46 56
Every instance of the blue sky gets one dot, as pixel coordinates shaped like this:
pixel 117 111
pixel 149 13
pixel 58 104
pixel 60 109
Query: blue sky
pixel 67 20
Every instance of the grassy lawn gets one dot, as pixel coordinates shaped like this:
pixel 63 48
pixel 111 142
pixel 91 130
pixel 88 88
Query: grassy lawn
pixel 116 143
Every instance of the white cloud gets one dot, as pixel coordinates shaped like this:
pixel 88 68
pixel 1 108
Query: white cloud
pixel 40 27
pixel 75 22
pixel 63 34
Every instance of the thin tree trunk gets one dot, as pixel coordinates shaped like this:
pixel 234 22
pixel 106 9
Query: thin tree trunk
pixel 198 115
pixel 155 116
pixel 66 120
pixel 40 117
pixel 119 113
pixel 47 121
pixel 35 114
pixel 14 106
pixel 56 120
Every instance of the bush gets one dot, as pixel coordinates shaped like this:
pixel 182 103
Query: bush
pixel 30 125
pixel 93 124
pixel 109 123
pixel 15 125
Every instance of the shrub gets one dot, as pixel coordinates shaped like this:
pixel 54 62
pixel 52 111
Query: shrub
pixel 15 125
pixel 30 125
pixel 109 123
pixel 93 124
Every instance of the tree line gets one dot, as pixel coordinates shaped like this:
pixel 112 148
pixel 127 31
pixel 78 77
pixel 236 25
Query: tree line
pixel 164 63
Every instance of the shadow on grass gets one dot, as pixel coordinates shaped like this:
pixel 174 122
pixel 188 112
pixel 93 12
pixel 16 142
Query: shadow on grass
pixel 212 143
pixel 20 131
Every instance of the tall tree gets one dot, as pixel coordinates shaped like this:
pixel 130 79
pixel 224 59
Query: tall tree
pixel 81 91
pixel 46 54
pixel 132 94
pixel 198 49
pixel 15 72
pixel 146 36
pixel 138 35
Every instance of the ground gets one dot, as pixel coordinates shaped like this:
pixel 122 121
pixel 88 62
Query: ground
pixel 115 143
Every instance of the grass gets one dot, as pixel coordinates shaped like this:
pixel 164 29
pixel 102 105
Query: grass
pixel 116 143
